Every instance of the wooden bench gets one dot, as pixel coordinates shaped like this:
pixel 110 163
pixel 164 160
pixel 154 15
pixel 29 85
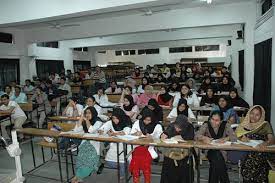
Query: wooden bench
pixel 114 98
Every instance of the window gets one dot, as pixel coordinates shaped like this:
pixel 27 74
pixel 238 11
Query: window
pixel 148 51
pixel 180 49
pixel 6 37
pixel 207 48
pixel 125 52
pixel 53 44
pixel 267 4
pixel 83 49
pixel 81 65
pixel 45 67
pixel 9 71
pixel 102 52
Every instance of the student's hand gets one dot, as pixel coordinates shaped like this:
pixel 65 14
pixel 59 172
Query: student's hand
pixel 221 141
pixel 207 140
pixel 163 136
pixel 148 135
pixel 100 132
pixel 111 133
pixel 262 145
pixel 139 133
pixel 245 139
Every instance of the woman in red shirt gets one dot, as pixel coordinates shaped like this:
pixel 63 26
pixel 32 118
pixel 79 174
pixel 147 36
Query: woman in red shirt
pixel 164 99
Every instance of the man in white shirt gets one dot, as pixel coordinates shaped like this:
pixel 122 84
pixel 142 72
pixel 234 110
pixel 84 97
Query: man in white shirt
pixel 18 116
pixel 64 86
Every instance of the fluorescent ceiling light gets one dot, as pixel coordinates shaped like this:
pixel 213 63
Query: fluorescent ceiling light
pixel 208 1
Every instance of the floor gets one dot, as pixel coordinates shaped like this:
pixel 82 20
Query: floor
pixel 50 169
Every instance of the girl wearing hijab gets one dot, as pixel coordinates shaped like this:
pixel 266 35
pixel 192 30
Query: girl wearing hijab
pixel 120 124
pixel 130 108
pixel 128 90
pixel 183 109
pixel 142 155
pixel 141 88
pixel 164 99
pixel 155 108
pixel 254 167
pixel 219 130
pixel 236 100
pixel 229 114
pixel 225 86
pixel 205 84
pixel 174 88
pixel 177 171
pixel 209 98
pixel 113 88
pixel 187 94
pixel 88 156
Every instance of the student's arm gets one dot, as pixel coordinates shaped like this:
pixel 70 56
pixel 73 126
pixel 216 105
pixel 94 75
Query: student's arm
pixel 10 110
pixel 172 115
pixel 191 114
pixel 157 132
pixel 176 100
pixel 201 134
pixel 94 128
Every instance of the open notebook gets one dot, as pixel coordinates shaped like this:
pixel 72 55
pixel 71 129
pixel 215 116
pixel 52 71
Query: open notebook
pixel 251 143
pixel 217 143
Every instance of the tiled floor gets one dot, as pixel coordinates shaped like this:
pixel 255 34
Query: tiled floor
pixel 51 169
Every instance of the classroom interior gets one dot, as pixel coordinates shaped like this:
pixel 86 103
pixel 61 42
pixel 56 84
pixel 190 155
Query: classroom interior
pixel 79 81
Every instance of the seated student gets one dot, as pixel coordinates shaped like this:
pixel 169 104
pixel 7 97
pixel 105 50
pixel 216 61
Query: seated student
pixel 225 86
pixel 99 75
pixel 88 158
pixel 77 79
pixel 229 114
pixel 165 71
pixel 40 98
pixel 209 98
pixel 183 74
pixel 128 91
pixel 40 83
pixel 254 166
pixel 174 170
pixel 146 96
pixel 187 94
pixel 159 79
pixel 51 90
pixel 8 91
pixel 192 85
pixel 113 88
pixel 164 99
pixel 54 77
pixel 101 98
pixel 90 102
pixel 141 88
pixel 73 109
pixel 64 86
pixel 236 100
pixel 155 108
pixel 120 124
pixel 18 116
pixel 174 88
pixel 132 83
pixel 216 129
pixel 18 96
pixel 130 108
pixel 205 85
pixel 142 155
pixel 182 108
pixel 137 73
pixel 28 86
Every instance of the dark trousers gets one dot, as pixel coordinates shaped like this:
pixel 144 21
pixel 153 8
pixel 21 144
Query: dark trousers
pixel 218 170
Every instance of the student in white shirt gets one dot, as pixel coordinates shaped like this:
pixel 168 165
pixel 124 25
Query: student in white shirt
pixel 28 87
pixel 88 157
pixel 145 82
pixel 9 91
pixel 113 89
pixel 101 98
pixel 192 99
pixel 142 155
pixel 182 108
pixel 90 102
pixel 64 86
pixel 73 109
pixel 120 124
pixel 130 108
pixel 18 116
pixel 18 96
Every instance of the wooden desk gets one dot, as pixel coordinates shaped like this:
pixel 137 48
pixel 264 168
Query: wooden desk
pixel 63 118
pixel 114 97
pixel 39 132
pixel 206 108
pixel 89 82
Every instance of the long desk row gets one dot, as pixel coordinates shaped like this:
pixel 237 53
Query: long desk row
pixel 144 142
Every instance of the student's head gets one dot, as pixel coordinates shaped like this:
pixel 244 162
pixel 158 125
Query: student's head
pixel 72 101
pixel 223 101
pixel 163 90
pixel 160 77
pixel 152 104
pixel 52 75
pixel 233 93
pixel 185 89
pixel 183 68
pixel 156 67
pixel 148 89
pixel 182 105
pixel 207 80
pixel 90 113
pixel 128 90
pixel 100 91
pixel 62 80
pixel 174 86
pixel 164 65
pixel 148 67
pixel 128 100
pixel 216 118
pixel 177 65
pixel 49 83
pixel 147 116
pixel 113 84
pixel 117 115
pixel 38 90
pixel 225 80
pixel 137 70
pixel 27 82
pixel 7 89
pixel 97 69
pixel 206 73
pixel 76 74
pixel 145 81
pixel 5 99
pixel 69 71
pixel 255 114
pixel 180 123
pixel 224 69
pixel 209 92
pixel 90 101
pixel 17 90
pixel 190 83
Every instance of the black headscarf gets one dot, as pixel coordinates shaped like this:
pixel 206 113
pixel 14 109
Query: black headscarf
pixel 149 128
pixel 114 89
pixel 172 89
pixel 187 129
pixel 166 96
pixel 94 119
pixel 228 106
pixel 185 112
pixel 143 85
pixel 225 87
pixel 131 101
pixel 158 112
pixel 238 101
pixel 124 120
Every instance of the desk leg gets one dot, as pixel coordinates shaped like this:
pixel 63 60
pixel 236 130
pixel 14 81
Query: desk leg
pixel 43 154
pixel 125 162
pixel 118 165
pixel 66 160
pixel 198 168
pixel 59 160
pixel 33 157
pixel 190 165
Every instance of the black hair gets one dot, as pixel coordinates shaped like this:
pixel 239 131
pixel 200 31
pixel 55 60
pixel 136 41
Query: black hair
pixel 5 96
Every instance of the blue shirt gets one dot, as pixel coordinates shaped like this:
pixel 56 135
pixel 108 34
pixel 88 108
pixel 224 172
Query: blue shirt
pixel 22 98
